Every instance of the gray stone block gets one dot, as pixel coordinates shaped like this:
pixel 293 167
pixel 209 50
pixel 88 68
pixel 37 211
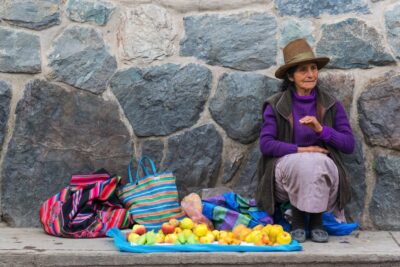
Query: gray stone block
pixel 237 104
pixel 231 167
pixel 20 51
pixel 80 58
pixel 147 33
pixel 95 11
pixel 385 205
pixel 162 99
pixel 195 158
pixel 355 166
pixel 153 149
pixel 353 44
pixel 292 29
pixel 340 85
pixel 315 8
pixel 58 133
pixel 248 180
pixel 5 99
pixel 244 41
pixel 393 28
pixel 378 109
pixel 31 14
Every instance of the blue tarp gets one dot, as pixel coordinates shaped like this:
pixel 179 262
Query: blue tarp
pixel 123 245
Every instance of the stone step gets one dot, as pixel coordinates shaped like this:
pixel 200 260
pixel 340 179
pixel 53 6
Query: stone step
pixel 32 247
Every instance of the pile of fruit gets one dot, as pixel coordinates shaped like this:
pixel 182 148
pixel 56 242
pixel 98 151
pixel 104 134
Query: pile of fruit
pixel 188 232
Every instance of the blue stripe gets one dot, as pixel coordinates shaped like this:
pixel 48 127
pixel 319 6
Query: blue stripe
pixel 149 192
pixel 154 190
pixel 141 214
pixel 158 174
pixel 160 206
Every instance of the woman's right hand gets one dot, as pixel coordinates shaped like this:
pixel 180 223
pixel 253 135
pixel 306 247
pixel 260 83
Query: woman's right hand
pixel 319 149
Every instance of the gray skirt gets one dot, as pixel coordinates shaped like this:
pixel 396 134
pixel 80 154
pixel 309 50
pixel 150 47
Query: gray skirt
pixel 309 180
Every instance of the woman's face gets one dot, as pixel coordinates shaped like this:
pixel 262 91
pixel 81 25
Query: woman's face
pixel 305 76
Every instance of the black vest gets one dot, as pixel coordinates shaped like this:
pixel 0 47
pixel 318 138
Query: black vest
pixel 281 104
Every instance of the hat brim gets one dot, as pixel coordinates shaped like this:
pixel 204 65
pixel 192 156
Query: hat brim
pixel 280 73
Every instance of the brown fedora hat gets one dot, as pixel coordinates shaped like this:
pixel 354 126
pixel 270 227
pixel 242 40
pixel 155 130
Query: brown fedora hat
pixel 297 52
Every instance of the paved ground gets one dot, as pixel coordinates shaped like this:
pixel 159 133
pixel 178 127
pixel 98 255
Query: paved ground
pixel 32 247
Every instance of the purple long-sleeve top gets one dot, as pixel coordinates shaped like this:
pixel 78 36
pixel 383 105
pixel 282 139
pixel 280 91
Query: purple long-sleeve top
pixel 340 136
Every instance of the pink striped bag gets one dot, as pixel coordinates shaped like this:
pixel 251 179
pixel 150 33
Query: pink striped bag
pixel 88 207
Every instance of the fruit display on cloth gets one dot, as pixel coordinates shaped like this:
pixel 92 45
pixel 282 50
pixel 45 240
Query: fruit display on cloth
pixel 188 232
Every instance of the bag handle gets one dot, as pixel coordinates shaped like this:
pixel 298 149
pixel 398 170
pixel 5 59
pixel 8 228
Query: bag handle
pixel 143 166
pixel 129 169
pixel 140 164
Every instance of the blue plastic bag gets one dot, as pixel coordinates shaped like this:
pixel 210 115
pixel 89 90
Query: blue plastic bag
pixel 334 227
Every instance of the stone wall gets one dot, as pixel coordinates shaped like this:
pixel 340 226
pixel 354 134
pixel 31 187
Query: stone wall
pixel 86 84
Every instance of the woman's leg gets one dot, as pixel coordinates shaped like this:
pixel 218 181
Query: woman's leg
pixel 310 182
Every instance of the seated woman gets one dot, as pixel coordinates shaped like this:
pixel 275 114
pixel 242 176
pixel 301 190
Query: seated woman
pixel 304 129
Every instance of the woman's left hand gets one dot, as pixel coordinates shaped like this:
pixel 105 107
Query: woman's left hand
pixel 311 122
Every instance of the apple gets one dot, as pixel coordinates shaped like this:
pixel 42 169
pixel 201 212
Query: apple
pixel 192 239
pixel 215 234
pixel 160 237
pixel 253 236
pixel 133 237
pixel 258 227
pixel 244 233
pixel 200 230
pixel 171 238
pixel 139 229
pixel 187 223
pixel 238 229
pixel 174 222
pixel 223 234
pixel 151 238
pixel 141 240
pixel 178 230
pixel 265 239
pixel 257 240
pixel 167 228
pixel 187 232
pixel 206 239
pixel 223 242
pixel 274 232
pixel 182 238
pixel 236 241
pixel 267 228
pixel 284 238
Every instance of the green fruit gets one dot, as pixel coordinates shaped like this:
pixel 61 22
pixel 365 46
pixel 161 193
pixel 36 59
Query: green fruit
pixel 192 239
pixel 141 240
pixel 151 238
pixel 182 238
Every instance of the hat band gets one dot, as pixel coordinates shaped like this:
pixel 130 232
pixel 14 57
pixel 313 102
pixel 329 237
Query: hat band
pixel 301 56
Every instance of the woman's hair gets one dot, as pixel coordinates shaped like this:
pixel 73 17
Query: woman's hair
pixel 286 83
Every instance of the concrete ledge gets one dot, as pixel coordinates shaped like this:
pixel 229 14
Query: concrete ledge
pixel 31 247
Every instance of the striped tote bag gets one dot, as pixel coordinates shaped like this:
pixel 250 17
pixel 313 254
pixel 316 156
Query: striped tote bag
pixel 151 199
